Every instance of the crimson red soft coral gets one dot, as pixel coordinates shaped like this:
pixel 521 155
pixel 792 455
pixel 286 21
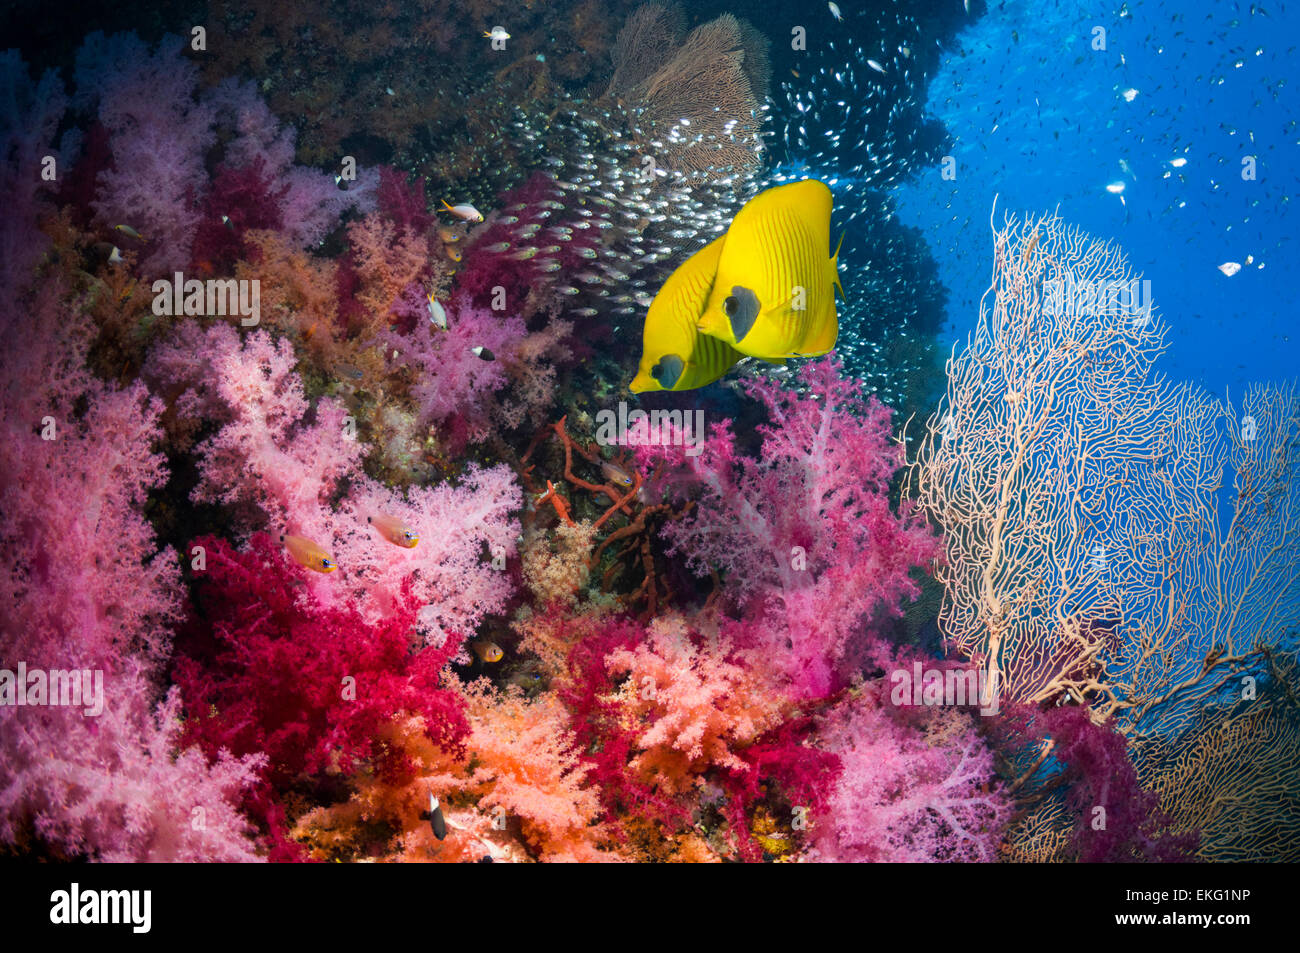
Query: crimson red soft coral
pixel 247 197
pixel 403 202
pixel 607 744
pixel 265 668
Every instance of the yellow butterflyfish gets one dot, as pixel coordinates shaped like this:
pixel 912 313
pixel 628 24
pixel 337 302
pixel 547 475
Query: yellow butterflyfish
pixel 674 355
pixel 774 293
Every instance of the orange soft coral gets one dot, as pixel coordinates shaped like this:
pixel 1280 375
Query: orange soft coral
pixel 387 260
pixel 693 703
pixel 518 795
pixel 530 773
pixel 297 288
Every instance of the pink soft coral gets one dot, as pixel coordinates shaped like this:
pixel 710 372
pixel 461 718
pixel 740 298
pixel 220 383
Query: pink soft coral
pixel 467 533
pixel 804 534
pixel 266 461
pixel 695 703
pixel 280 470
pixel 309 203
pixel 87 589
pixel 454 383
pixel 914 786
pixel 160 135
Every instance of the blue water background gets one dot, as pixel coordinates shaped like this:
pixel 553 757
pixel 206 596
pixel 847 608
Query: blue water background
pixel 1040 119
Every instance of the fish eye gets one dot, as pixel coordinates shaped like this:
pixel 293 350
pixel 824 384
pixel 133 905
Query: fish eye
pixel 657 371
pixel 729 306
pixel 326 563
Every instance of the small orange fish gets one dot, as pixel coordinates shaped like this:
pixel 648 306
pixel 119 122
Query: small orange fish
pixel 615 474
pixel 487 651
pixel 394 530
pixel 306 553
pixel 452 252
pixel 466 212
pixel 449 236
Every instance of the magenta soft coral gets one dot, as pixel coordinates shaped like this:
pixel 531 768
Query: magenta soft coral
pixel 1116 821
pixel 265 667
pixel 804 534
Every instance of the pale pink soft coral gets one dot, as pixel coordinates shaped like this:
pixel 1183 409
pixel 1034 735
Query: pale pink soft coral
pixel 86 588
pixel 114 788
pixel 467 532
pixel 314 203
pixel 161 130
pixel 280 462
pixel 255 131
pixel 159 135
pixel 915 786
pixel 266 460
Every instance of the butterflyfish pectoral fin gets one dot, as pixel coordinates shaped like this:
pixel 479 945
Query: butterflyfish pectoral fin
pixel 835 267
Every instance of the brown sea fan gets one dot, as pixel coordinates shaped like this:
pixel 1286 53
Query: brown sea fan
pixel 697 108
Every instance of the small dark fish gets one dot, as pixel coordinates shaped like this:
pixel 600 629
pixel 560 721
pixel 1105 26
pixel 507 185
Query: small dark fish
pixel 437 823
pixel 484 353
